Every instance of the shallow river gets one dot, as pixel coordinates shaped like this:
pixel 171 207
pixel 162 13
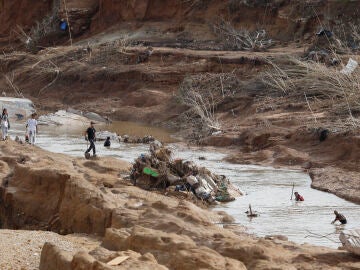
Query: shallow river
pixel 267 189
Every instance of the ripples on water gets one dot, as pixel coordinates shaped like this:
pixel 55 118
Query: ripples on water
pixel 267 189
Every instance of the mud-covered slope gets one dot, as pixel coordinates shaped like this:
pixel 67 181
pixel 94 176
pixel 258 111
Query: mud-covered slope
pixel 22 13
pixel 186 21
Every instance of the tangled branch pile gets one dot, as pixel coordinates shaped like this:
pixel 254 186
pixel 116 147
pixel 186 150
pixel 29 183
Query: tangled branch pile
pixel 318 80
pixel 204 92
pixel 242 39
pixel 112 50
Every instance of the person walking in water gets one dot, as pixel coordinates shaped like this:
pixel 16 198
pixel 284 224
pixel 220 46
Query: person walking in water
pixel 5 124
pixel 90 135
pixel 298 197
pixel 32 128
pixel 339 217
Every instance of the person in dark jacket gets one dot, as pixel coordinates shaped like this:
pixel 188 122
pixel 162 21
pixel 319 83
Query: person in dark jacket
pixel 90 135
pixel 107 143
pixel 339 217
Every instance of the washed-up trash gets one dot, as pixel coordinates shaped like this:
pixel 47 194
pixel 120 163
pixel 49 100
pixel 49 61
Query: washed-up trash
pixel 324 32
pixel 149 171
pixel 159 170
pixel 351 241
pixel 250 213
pixel 118 260
pixel 216 133
pixel 350 67
pixel 135 139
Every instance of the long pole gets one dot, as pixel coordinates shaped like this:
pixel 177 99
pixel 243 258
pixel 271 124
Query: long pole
pixel 68 23
pixel 292 191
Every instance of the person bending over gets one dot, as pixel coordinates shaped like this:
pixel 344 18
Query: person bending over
pixel 339 217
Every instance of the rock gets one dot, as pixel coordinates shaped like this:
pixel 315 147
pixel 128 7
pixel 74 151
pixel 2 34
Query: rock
pixel 83 260
pixel 17 107
pixel 95 117
pixel 62 117
pixel 53 258
pixel 278 237
pixel 108 185
pixel 74 111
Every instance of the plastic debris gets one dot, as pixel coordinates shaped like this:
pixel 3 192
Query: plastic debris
pixel 350 67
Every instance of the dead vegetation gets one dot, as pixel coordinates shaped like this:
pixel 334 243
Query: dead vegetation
pixel 242 39
pixel 41 29
pixel 316 81
pixel 10 81
pixel 112 50
pixel 196 3
pixel 203 93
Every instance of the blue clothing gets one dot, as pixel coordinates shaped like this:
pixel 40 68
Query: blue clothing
pixel 63 26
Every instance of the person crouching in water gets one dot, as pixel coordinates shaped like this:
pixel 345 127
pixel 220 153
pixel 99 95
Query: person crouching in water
pixel 32 128
pixel 339 217
pixel 107 143
pixel 5 124
pixel 298 197
pixel 90 135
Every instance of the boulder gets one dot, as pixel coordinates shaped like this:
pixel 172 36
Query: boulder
pixel 53 258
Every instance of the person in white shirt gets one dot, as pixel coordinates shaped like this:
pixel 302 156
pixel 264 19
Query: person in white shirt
pixel 32 129
pixel 5 124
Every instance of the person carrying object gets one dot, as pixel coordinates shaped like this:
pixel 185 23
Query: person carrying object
pixel 5 124
pixel 90 135
pixel 32 128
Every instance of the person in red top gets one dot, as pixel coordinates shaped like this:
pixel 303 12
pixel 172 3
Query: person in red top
pixel 298 197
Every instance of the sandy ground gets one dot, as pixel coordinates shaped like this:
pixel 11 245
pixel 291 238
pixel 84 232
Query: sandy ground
pixel 21 250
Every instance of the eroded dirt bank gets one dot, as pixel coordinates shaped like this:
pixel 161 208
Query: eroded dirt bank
pixel 155 231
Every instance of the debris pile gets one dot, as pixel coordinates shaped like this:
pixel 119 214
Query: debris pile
pixel 158 170
pixel 134 139
pixel 103 135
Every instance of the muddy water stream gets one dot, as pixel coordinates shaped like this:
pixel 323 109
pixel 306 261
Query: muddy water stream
pixel 267 189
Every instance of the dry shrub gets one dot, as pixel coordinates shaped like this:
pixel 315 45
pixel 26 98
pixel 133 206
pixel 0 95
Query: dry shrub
pixel 348 37
pixel 111 51
pixel 41 29
pixel 204 92
pixel 242 39
pixel 313 79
